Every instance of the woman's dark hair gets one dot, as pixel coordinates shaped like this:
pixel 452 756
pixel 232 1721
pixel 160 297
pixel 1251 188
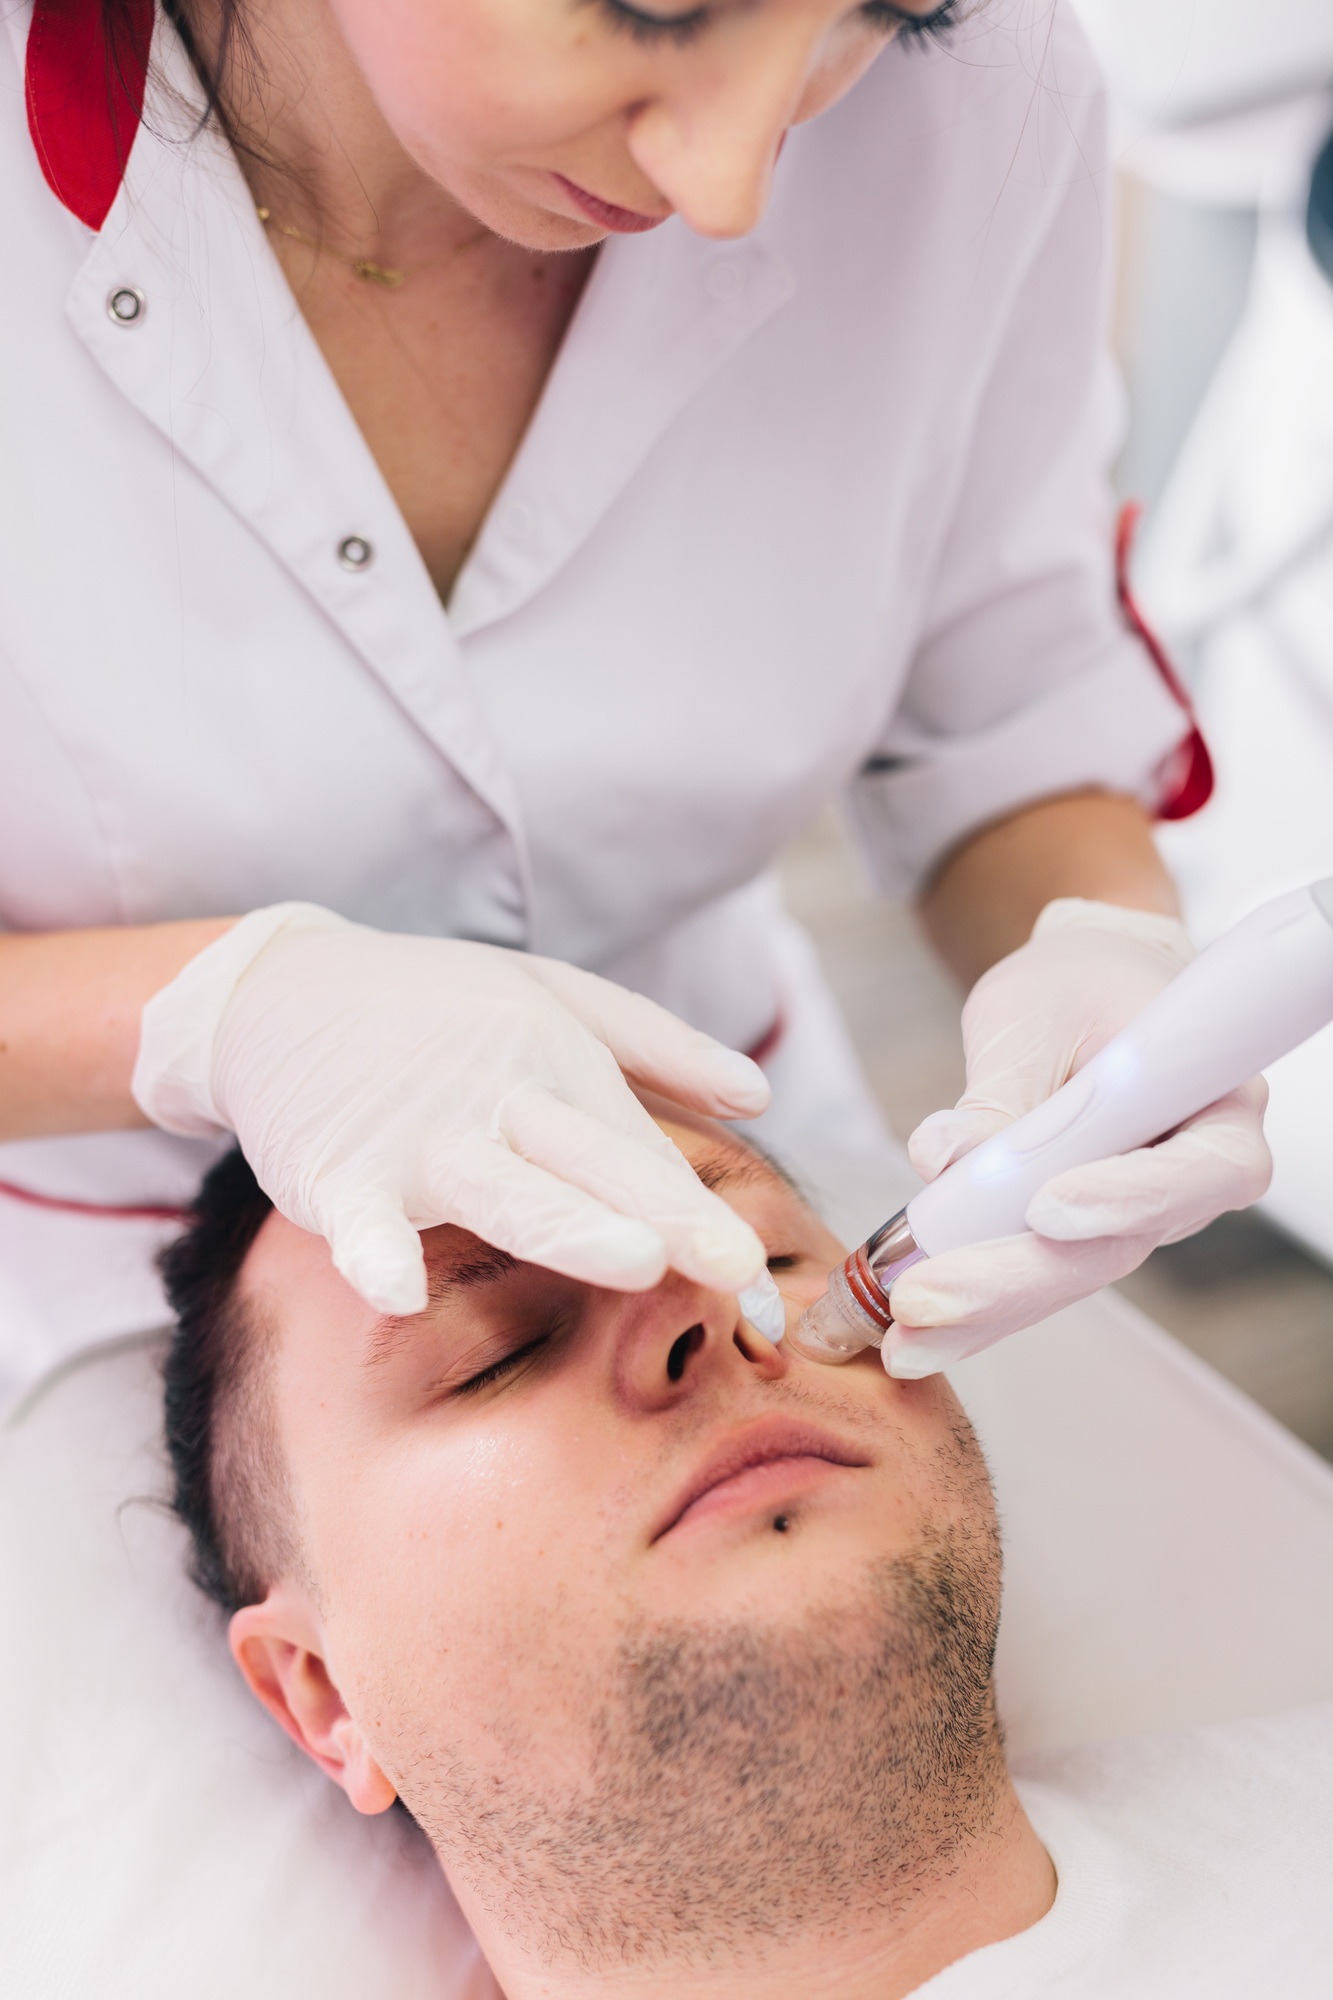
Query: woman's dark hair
pixel 231 36
pixel 228 1485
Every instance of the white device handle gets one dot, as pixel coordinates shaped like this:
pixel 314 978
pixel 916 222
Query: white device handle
pixel 1259 990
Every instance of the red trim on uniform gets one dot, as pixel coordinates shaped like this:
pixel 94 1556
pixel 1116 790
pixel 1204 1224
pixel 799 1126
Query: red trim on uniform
pixel 768 1041
pixel 1187 777
pixel 87 65
pixel 62 1207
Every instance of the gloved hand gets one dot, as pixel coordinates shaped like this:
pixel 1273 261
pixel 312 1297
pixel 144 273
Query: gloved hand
pixel 379 1084
pixel 1029 1023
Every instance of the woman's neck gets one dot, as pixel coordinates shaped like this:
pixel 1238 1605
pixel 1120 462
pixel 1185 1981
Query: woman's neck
pixel 312 143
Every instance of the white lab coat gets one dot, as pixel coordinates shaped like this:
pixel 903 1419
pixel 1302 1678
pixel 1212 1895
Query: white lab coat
pixel 819 511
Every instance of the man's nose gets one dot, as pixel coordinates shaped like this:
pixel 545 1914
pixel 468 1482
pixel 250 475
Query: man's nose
pixel 711 151
pixel 682 1338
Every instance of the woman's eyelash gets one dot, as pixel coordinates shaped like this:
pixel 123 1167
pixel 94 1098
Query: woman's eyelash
pixel 682 28
pixel 677 28
pixel 486 1376
pixel 911 27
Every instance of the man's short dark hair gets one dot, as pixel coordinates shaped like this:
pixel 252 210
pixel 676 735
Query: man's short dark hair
pixel 230 1486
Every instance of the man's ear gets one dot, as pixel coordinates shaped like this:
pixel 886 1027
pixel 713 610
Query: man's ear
pixel 276 1645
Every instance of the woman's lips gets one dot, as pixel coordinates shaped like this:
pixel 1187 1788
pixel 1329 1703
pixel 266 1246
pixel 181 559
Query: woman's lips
pixel 755 1467
pixel 625 221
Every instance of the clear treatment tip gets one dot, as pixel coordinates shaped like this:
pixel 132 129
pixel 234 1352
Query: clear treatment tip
pixel 854 1311
pixel 834 1328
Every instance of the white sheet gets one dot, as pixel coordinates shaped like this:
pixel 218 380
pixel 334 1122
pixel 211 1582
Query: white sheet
pixel 159 1838
pixel 1190 1865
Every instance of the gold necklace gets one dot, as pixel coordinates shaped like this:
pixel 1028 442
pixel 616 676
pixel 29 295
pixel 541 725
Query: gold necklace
pixel 360 267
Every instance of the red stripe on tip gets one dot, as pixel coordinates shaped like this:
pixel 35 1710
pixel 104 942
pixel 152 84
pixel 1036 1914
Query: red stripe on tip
pixel 866 1290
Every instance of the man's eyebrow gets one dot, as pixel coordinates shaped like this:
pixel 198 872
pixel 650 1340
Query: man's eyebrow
pixel 737 1166
pixel 483 1266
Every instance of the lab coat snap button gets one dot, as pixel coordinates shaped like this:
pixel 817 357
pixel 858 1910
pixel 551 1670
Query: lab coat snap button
pixel 723 281
pixel 126 306
pixel 355 552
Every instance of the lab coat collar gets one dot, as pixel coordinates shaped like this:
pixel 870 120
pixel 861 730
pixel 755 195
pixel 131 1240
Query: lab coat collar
pixel 662 313
pixel 221 361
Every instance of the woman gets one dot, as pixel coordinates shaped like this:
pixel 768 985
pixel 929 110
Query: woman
pixel 463 492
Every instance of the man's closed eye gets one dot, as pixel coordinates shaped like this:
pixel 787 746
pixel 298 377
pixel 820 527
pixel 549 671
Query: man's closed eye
pixel 496 1369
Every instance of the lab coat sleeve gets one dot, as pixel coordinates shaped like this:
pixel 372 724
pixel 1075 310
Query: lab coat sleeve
pixel 1026 682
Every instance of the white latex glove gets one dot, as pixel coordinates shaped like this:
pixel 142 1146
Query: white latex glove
pixel 1029 1023
pixel 379 1084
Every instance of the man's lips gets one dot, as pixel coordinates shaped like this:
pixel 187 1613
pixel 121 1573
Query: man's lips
pixel 747 1468
pixel 625 221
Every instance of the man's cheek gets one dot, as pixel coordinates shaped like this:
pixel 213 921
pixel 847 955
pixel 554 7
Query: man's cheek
pixel 443 1536
pixel 409 1529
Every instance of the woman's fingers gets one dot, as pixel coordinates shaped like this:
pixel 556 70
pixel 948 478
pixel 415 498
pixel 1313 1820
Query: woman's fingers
pixel 945 1136
pixel 655 1048
pixel 1092 1226
pixel 378 1251
pixel 961 1301
pixel 1218 1160
pixel 484 1186
pixel 705 1239
pixel 382 1084
pixel 557 1187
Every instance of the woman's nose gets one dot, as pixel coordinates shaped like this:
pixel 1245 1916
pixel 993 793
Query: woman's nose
pixel 684 1339
pixel 711 152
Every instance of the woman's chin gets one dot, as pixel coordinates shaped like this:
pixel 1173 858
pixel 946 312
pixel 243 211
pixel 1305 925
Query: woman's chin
pixel 520 219
pixel 538 229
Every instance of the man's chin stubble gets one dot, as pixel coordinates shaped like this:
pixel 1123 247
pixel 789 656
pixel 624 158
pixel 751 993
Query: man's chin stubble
pixel 746 1785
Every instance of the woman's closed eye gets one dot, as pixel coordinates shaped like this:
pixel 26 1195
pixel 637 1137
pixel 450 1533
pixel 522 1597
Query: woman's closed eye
pixel 909 24
pixel 649 27
pixel 646 26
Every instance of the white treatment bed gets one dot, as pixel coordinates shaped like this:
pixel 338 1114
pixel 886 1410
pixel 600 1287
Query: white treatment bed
pixel 1168 1553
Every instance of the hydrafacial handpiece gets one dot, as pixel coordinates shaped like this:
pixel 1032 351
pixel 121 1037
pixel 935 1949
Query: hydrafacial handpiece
pixel 1259 990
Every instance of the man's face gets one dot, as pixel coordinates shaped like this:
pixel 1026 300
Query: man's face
pixel 584 1566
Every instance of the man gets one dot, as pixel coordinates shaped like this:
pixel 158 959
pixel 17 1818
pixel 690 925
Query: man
pixel 679 1648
